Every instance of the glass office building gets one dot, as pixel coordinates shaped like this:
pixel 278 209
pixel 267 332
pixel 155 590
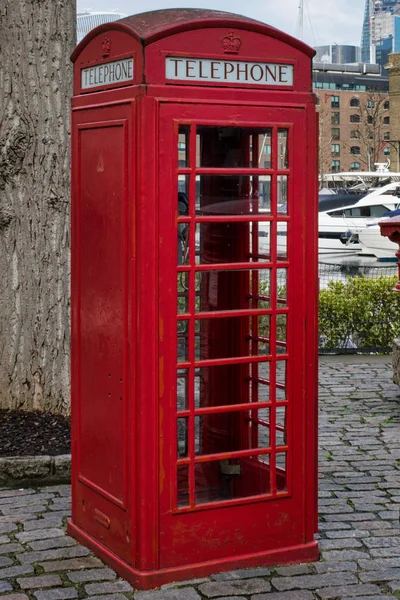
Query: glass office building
pixel 380 35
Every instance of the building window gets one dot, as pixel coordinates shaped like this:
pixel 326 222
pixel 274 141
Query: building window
pixel 386 136
pixel 354 118
pixel 317 100
pixel 386 105
pixel 386 120
pixel 370 103
pixel 335 133
pixel 354 134
pixel 355 150
pixel 355 166
pixel 335 102
pixel 335 118
pixel 335 166
pixel 335 149
pixel 354 102
pixel 370 119
pixel 386 151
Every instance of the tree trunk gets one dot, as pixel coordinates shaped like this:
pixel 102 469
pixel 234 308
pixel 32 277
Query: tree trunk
pixel 36 40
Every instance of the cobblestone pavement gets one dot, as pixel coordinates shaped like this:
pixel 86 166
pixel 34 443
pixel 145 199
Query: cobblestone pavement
pixel 359 514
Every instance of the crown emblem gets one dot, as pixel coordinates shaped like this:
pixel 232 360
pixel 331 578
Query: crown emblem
pixel 231 43
pixel 106 47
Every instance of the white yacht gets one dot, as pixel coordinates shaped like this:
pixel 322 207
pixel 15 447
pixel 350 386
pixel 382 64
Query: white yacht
pixel 337 225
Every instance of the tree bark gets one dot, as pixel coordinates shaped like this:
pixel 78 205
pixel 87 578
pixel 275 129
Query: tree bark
pixel 36 40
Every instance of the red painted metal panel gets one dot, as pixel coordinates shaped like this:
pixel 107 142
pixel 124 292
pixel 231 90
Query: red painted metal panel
pixel 101 324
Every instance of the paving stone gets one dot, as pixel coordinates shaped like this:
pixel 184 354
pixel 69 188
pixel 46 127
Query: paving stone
pixel 333 566
pixel 15 597
pixel 92 575
pixel 344 555
pixel 294 570
pixel 109 597
pixel 42 524
pixel 379 597
pixel 56 594
pixel 394 586
pixel 87 562
pixel 5 587
pixel 8 527
pixel 381 575
pixel 313 582
pixel 186 593
pixel 15 571
pixel 12 547
pixel 380 563
pixel 5 561
pixel 241 574
pixel 213 589
pixel 108 587
pixel 340 544
pixel 297 595
pixel 59 542
pixel 28 536
pixel 4 539
pixel 348 590
pixel 69 552
pixel 41 581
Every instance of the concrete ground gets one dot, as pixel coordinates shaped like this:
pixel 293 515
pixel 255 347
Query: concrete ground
pixel 359 515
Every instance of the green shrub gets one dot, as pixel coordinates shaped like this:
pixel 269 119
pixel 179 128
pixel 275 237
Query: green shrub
pixel 363 313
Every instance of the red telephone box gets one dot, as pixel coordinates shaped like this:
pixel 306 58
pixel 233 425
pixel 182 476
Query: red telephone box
pixel 194 296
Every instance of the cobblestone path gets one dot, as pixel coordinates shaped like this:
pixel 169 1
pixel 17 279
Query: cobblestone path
pixel 359 516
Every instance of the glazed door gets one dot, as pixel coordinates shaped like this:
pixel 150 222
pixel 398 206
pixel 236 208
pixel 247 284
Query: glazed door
pixel 232 303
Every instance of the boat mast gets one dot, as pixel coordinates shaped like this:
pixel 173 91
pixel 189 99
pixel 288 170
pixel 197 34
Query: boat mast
pixel 301 19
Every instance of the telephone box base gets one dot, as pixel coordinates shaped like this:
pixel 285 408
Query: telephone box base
pixel 146 580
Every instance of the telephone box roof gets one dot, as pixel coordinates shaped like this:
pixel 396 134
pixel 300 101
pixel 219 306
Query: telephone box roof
pixel 154 25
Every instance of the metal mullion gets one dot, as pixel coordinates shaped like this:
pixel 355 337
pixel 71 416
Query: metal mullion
pixel 192 310
pixel 232 454
pixel 237 360
pixel 228 408
pixel 226 314
pixel 232 171
pixel 254 293
pixel 273 295
pixel 251 217
pixel 238 266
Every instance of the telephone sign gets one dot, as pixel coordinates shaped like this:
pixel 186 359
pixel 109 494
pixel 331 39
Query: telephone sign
pixel 194 296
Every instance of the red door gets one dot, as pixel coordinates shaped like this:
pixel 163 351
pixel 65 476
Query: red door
pixel 232 300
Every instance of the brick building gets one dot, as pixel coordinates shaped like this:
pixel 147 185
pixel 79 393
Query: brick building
pixel 353 106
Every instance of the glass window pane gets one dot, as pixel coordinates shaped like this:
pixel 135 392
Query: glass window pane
pixel 216 481
pixel 232 242
pixel 281 282
pixel 282 188
pixel 183 146
pixel 183 293
pixel 281 426
pixel 182 433
pixel 230 289
pixel 281 332
pixel 232 431
pixel 227 385
pixel 219 195
pixel 233 147
pixel 230 337
pixel 183 341
pixel 281 375
pixel 183 485
pixel 281 473
pixel 283 150
pixel 182 390
pixel 282 241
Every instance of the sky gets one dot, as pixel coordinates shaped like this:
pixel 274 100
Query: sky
pixel 325 21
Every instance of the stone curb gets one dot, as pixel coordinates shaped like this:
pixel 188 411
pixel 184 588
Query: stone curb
pixel 31 470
